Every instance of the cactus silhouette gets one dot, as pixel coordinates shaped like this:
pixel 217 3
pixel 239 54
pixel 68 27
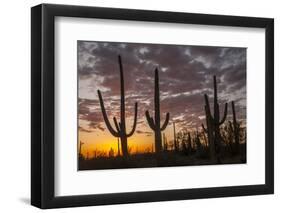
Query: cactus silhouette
pixel 210 141
pixel 80 155
pixel 213 124
pixel 204 137
pixel 236 128
pixel 175 138
pixel 154 123
pixel 118 147
pixel 229 133
pixel 199 148
pixel 121 126
pixel 165 143
pixel 189 146
pixel 111 153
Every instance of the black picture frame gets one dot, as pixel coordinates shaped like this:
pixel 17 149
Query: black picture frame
pixel 43 102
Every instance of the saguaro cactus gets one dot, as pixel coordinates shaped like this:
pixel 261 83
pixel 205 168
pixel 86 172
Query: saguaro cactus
pixel 204 137
pixel 121 126
pixel 80 149
pixel 229 133
pixel 118 147
pixel 199 148
pixel 209 130
pixel 189 144
pixel 154 124
pixel 213 123
pixel 236 128
pixel 175 138
pixel 165 143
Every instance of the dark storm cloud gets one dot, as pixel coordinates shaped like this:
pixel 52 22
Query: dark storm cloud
pixel 185 74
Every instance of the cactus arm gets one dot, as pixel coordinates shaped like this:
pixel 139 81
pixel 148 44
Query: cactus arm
pixel 149 120
pixel 207 108
pixel 233 113
pixel 116 124
pixel 166 121
pixel 207 105
pixel 108 125
pixel 135 121
pixel 233 110
pixel 224 115
pixel 203 127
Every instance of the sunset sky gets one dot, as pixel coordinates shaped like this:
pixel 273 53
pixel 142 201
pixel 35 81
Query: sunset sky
pixel 185 75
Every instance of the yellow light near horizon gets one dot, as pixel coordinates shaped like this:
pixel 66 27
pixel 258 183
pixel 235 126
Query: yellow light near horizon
pixel 103 141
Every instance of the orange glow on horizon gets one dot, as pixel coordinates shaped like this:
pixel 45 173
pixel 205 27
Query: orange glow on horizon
pixel 103 141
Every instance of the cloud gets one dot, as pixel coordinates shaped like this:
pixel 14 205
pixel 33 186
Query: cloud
pixel 147 133
pixel 96 125
pixel 185 75
pixel 82 129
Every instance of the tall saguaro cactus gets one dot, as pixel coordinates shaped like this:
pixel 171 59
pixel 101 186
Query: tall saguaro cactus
pixel 80 149
pixel 165 143
pixel 213 123
pixel 154 123
pixel 118 147
pixel 175 138
pixel 120 126
pixel 236 128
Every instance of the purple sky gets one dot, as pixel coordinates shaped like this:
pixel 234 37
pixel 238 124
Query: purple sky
pixel 185 74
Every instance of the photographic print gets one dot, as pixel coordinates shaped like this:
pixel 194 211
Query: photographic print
pixel 146 105
pixel 180 92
